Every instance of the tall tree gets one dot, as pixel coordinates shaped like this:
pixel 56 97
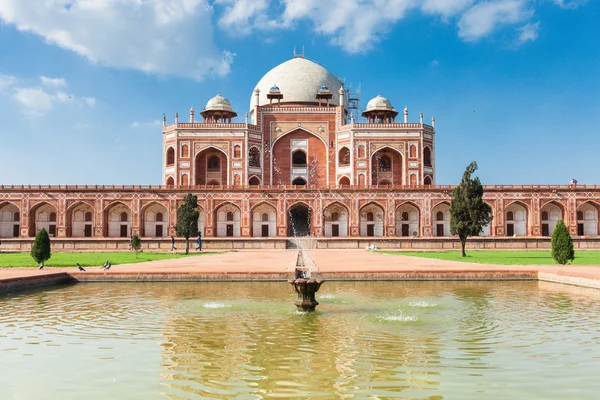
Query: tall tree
pixel 187 220
pixel 562 244
pixel 41 247
pixel 468 212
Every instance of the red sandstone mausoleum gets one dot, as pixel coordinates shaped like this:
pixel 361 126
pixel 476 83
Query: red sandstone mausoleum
pixel 298 165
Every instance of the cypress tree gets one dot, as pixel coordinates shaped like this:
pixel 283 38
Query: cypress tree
pixel 41 247
pixel 187 220
pixel 562 244
pixel 136 244
pixel 468 212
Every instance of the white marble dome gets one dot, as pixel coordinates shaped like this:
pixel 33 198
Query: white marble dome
pixel 379 103
pixel 218 103
pixel 299 80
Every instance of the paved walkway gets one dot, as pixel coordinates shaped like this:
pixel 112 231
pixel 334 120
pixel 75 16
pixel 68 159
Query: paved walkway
pixel 328 261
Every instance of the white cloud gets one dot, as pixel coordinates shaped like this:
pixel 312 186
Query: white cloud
pixel 570 3
pixel 445 7
pixel 53 82
pixel 529 32
pixel 137 124
pixel 37 102
pixel 355 25
pixel 239 16
pixel 6 82
pixel 159 36
pixel 484 18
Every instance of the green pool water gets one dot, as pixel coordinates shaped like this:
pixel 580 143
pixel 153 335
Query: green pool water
pixel 368 340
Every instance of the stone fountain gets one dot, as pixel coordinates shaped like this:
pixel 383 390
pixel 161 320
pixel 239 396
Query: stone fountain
pixel 305 285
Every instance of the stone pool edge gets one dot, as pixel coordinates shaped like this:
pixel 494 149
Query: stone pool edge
pixel 57 278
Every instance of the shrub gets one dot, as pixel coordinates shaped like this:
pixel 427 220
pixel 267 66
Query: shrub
pixel 136 244
pixel 562 244
pixel 41 247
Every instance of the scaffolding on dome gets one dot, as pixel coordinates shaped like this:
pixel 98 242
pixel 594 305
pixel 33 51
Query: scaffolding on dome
pixel 353 101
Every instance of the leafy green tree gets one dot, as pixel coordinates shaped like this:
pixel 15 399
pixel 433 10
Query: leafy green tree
pixel 41 247
pixel 136 244
pixel 187 220
pixel 562 244
pixel 468 212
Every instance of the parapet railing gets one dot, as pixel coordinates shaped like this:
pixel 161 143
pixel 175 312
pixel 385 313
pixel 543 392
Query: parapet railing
pixel 213 125
pixel 396 125
pixel 292 187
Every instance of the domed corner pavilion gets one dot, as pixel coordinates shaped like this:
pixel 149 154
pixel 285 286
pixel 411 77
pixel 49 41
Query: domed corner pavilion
pixel 218 109
pixel 380 110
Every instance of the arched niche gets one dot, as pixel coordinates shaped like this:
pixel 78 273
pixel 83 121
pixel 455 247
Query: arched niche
pixel 440 216
pixel 228 220
pixel 407 220
pixel 371 220
pixel 264 221
pixel 336 220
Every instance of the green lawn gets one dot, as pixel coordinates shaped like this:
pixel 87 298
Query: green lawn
pixel 88 259
pixel 503 257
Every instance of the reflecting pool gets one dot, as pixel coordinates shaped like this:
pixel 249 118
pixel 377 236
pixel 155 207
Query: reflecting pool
pixel 376 340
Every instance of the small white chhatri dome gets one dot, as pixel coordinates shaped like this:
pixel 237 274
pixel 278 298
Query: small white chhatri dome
pixel 218 109
pixel 299 80
pixel 218 103
pixel 379 103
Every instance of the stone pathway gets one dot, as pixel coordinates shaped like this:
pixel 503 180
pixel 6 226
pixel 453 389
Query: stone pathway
pixel 281 262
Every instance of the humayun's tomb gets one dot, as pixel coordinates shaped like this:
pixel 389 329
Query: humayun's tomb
pixel 299 164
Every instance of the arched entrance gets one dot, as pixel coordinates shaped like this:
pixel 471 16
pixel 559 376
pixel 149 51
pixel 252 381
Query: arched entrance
pixel 299 220
pixel 386 167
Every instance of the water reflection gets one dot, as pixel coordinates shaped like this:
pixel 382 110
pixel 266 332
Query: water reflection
pixel 417 340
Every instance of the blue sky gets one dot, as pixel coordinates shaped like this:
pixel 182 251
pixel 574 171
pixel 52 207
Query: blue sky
pixel 513 84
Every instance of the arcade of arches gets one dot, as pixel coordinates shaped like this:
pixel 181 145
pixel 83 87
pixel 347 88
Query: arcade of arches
pixel 407 219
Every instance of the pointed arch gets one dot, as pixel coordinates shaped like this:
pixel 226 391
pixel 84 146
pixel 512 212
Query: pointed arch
pixel 114 223
pixel 387 164
pixel 154 218
pixel 336 216
pixel 41 216
pixel 427 156
pixel 10 219
pixel 344 181
pixel 372 219
pixel 204 174
pixel 254 157
pixel 296 129
pixel 77 223
pixel 344 156
pixel 440 218
pixel 408 219
pixel 228 219
pixel 550 213
pixel 254 181
pixel 170 156
pixel 300 219
pixel 587 218
pixel 519 224
pixel 264 219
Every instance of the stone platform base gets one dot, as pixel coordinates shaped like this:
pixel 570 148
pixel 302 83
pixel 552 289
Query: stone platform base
pixel 395 243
